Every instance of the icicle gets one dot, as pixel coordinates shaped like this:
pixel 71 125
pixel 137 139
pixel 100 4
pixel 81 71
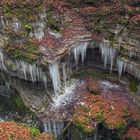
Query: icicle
pixel 24 66
pixel 2 21
pixel 132 54
pixel 2 60
pixel 108 54
pixel 49 126
pixel 120 65
pixel 55 76
pixel 27 70
pixel 44 80
pixel 129 66
pixel 80 50
pixel 16 24
pixel 64 73
pixel 45 127
pixel 7 85
pixel 53 127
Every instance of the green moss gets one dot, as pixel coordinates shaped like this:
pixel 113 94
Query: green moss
pixel 28 51
pixel 78 134
pixel 35 131
pixel 7 11
pixel 83 126
pixel 15 104
pixel 84 73
pixel 133 86
pixel 111 36
pixel 126 113
pixel 98 28
pixel 100 116
pixel 96 74
pixel 138 124
pixel 19 104
pixel 123 22
pixel 120 126
pixel 24 11
pixel 17 54
pixel 28 27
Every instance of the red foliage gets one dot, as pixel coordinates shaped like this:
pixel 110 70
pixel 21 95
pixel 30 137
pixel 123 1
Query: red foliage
pixel 88 9
pixel 132 132
pixel 50 41
pixel 59 5
pixel 112 107
pixel 14 2
pixel 11 130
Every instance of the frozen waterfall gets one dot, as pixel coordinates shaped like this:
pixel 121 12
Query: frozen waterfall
pixel 64 73
pixel 26 70
pixel 128 66
pixel 16 24
pixel 108 54
pixel 53 127
pixel 2 66
pixel 80 50
pixel 55 76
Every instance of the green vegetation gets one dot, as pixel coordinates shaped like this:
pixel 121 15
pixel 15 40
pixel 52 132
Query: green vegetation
pixel 28 27
pixel 14 104
pixel 100 117
pixel 98 28
pixel 78 134
pixel 35 131
pixel 21 10
pixel 111 35
pixel 82 126
pixel 133 86
pixel 28 51
pixel 120 127
pixel 19 105
pixel 138 124
pixel 96 74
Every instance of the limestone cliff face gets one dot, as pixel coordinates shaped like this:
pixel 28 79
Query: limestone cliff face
pixel 39 33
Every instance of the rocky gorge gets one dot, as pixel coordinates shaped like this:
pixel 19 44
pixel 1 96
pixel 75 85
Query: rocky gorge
pixel 71 68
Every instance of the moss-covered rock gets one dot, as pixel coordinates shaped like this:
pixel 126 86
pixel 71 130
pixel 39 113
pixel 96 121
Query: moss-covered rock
pixel 28 51
pixel 133 86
